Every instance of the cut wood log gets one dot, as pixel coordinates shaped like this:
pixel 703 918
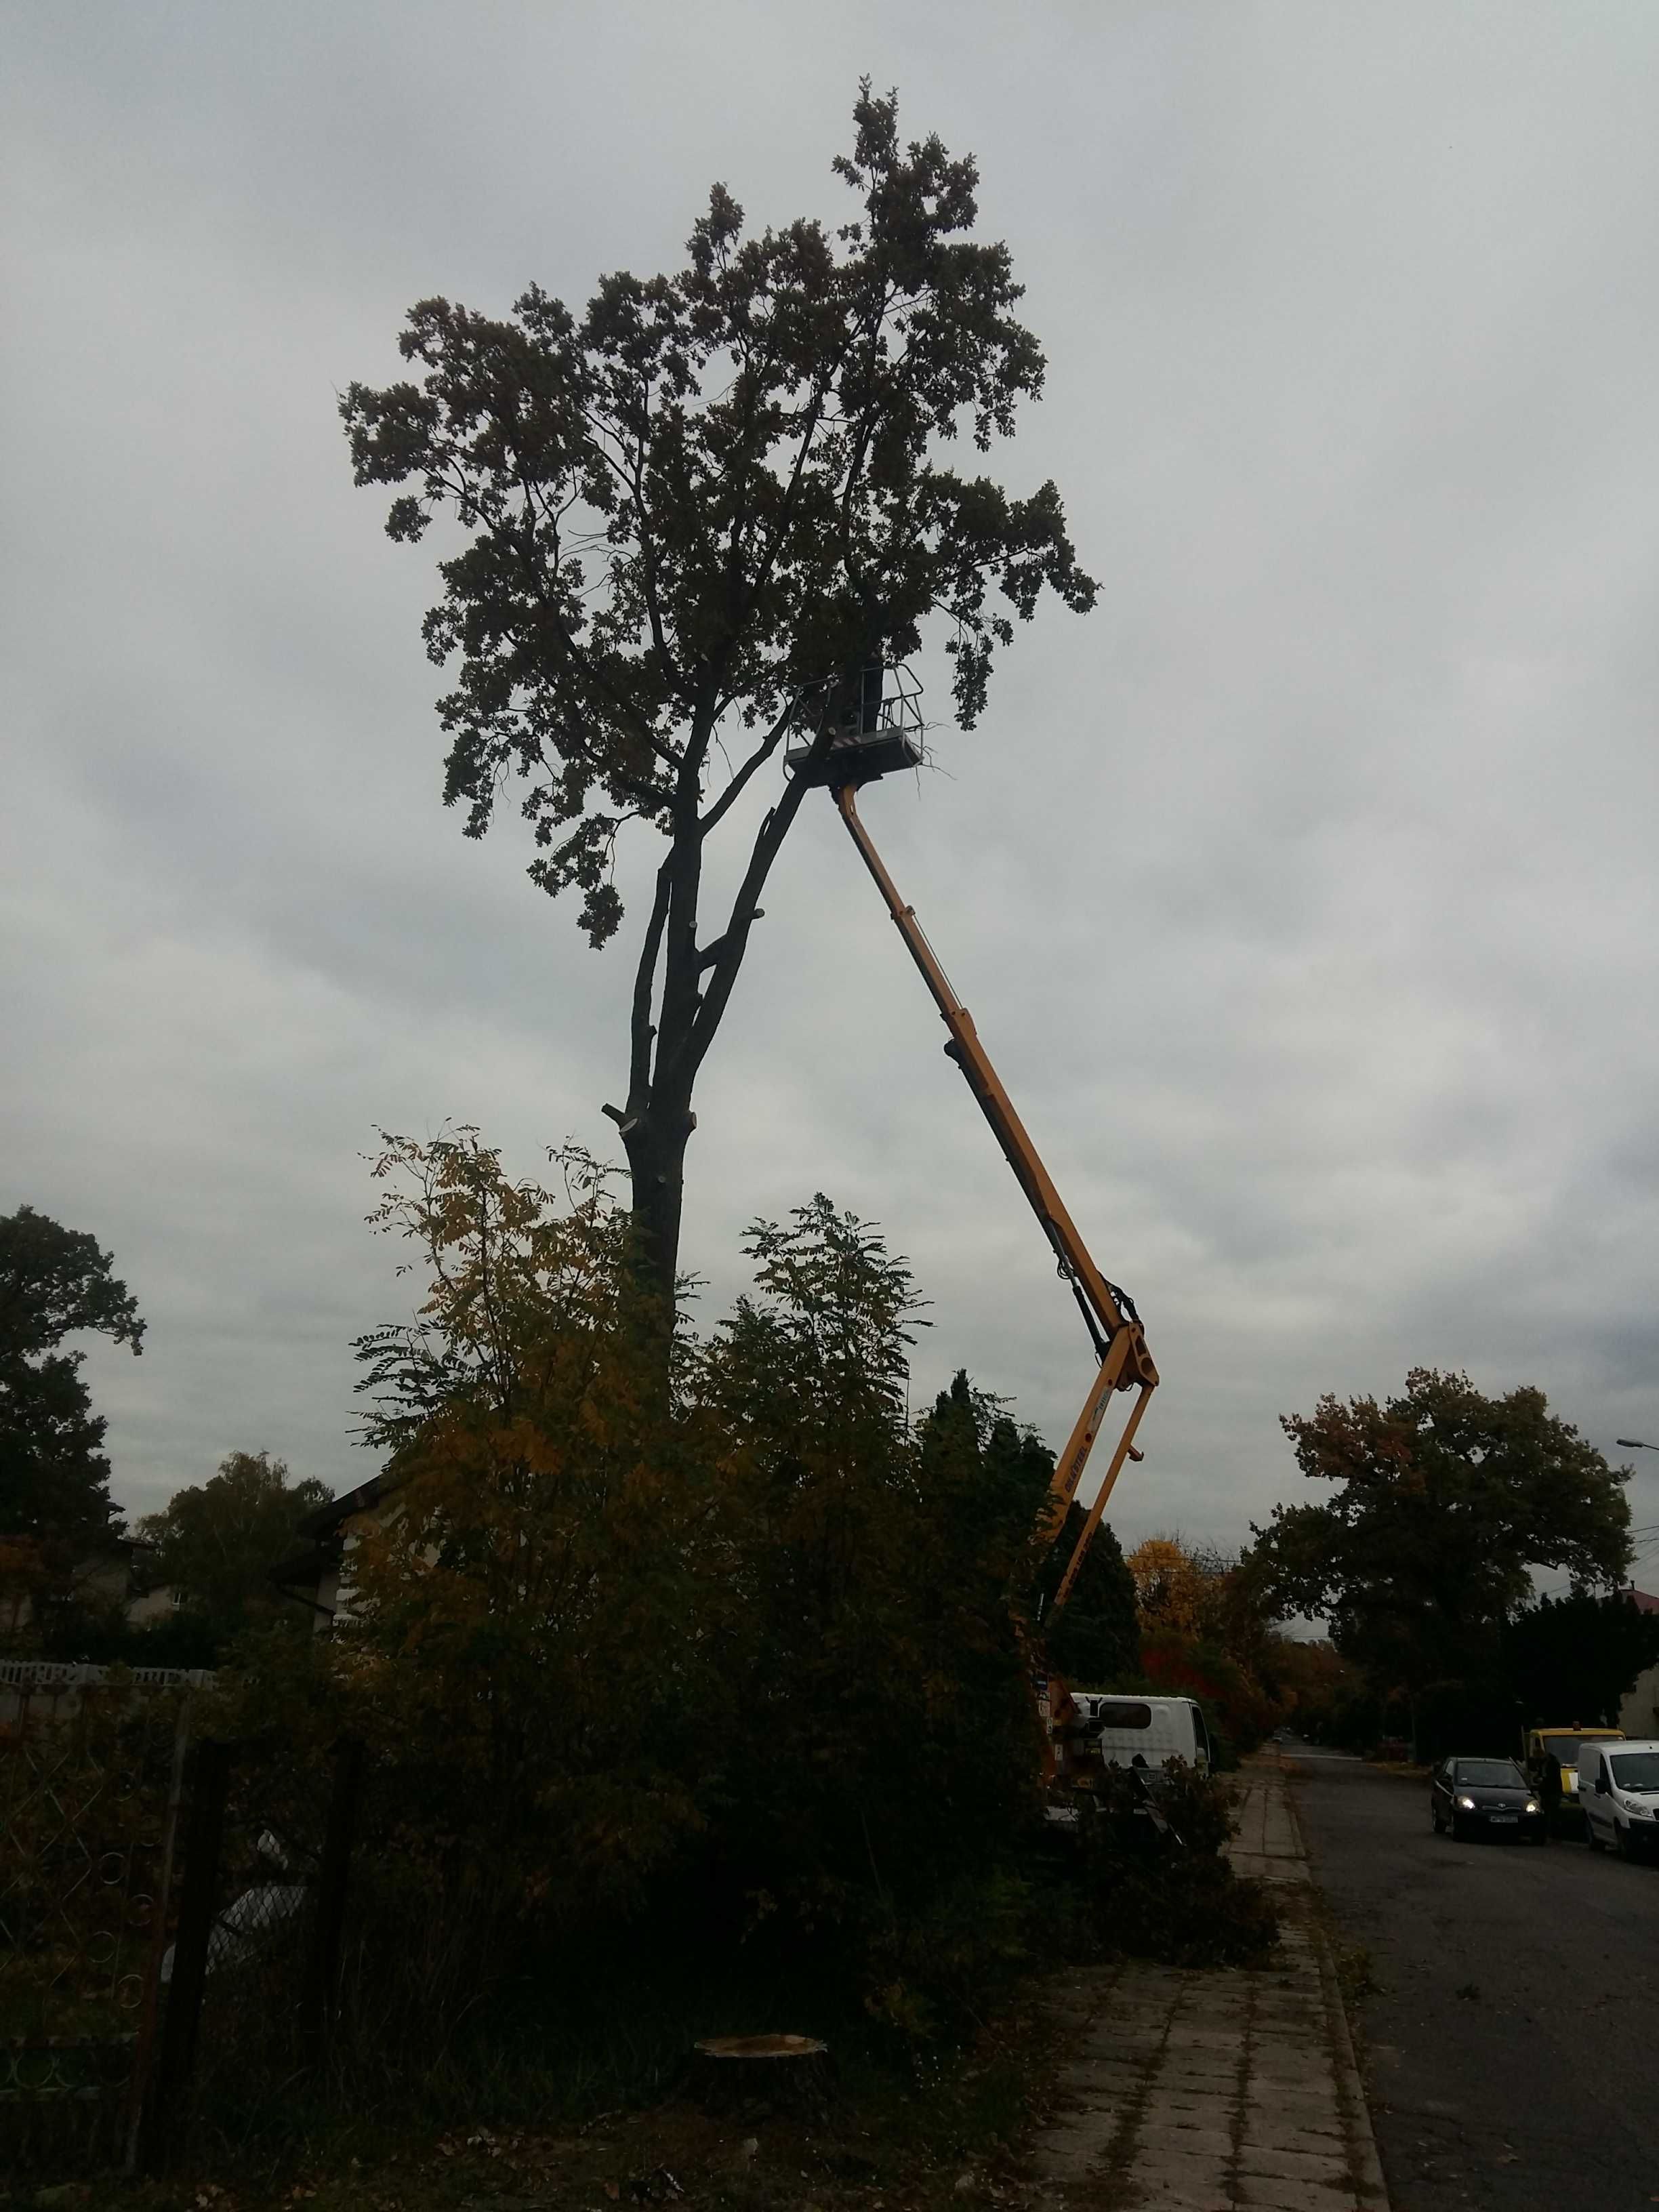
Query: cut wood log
pixel 750 2074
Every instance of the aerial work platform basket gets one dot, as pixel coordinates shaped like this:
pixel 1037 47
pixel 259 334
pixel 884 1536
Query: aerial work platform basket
pixel 861 725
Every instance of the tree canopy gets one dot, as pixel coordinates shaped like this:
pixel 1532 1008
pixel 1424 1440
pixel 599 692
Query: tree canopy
pixel 55 1282
pixel 677 515
pixel 217 1541
pixel 1171 1587
pixel 1445 1499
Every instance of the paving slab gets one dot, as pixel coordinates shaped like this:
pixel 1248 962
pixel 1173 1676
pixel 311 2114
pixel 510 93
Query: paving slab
pixel 1163 2106
pixel 1293 2197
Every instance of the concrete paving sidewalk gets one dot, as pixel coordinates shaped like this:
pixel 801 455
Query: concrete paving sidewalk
pixel 1268 1844
pixel 1197 2090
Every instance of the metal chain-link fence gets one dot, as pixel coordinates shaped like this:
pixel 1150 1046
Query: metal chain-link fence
pixel 249 1978
pixel 172 1915
pixel 90 1773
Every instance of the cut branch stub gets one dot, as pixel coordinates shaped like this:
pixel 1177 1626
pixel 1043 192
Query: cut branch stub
pixel 750 2073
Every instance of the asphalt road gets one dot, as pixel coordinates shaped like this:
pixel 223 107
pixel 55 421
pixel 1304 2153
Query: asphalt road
pixel 1510 2046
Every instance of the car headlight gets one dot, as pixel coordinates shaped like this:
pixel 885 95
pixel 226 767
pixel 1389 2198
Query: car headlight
pixel 1531 1805
pixel 1465 1804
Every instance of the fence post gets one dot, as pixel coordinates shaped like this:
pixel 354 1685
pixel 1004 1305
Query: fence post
pixel 144 2052
pixel 329 1925
pixel 197 1896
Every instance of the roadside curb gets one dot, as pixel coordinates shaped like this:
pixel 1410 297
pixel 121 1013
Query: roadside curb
pixel 1351 2086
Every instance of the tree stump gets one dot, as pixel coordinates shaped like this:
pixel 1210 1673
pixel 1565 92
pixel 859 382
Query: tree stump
pixel 745 2076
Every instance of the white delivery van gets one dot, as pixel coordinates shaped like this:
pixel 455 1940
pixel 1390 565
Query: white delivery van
pixel 1618 1790
pixel 1149 1731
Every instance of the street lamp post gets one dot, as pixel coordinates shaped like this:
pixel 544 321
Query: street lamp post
pixel 1634 1444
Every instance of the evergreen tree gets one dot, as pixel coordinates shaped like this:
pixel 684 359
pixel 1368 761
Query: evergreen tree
pixel 1095 1644
pixel 54 1478
pixel 1573 1658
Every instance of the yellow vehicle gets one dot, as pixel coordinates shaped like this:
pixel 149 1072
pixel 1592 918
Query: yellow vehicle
pixel 1552 1759
pixel 868 726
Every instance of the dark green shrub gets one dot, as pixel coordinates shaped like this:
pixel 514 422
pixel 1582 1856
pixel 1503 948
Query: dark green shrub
pixel 1161 1888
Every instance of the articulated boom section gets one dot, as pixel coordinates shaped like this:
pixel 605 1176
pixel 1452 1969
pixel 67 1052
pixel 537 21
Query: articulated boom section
pixel 1113 1323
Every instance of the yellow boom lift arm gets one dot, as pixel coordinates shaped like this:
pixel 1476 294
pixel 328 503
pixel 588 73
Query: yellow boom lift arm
pixel 1113 1325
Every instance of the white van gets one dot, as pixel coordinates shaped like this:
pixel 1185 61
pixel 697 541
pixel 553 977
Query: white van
pixel 1147 1731
pixel 1618 1790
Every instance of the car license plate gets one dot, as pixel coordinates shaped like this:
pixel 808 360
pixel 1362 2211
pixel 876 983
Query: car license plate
pixel 1505 1820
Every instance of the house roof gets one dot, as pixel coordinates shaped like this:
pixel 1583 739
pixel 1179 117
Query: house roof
pixel 323 1520
pixel 1642 1601
pixel 319 1538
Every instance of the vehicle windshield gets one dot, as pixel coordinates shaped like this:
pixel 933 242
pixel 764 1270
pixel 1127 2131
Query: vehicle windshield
pixel 1636 1769
pixel 1564 1749
pixel 1489 1774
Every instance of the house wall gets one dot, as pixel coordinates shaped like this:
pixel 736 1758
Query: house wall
pixel 1638 1714
pixel 104 1582
pixel 379 1515
pixel 155 1605
pixel 325 1599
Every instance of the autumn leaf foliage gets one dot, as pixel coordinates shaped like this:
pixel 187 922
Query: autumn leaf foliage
pixel 754 1630
pixel 539 1616
pixel 1441 1499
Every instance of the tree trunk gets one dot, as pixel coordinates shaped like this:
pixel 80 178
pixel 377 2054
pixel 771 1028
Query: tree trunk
pixel 658 1120
pixel 664 1055
pixel 656 1164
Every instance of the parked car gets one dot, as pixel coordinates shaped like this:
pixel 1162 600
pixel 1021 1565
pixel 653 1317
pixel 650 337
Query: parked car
pixel 1618 1790
pixel 1482 1796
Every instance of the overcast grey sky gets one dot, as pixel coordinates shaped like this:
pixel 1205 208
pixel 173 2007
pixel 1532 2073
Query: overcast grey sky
pixel 1304 893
